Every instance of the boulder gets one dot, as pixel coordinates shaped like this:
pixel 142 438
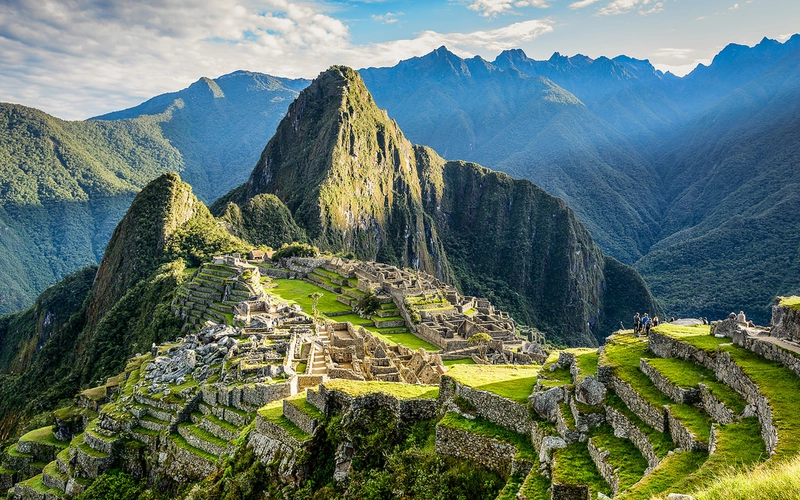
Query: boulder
pixel 590 391
pixel 546 402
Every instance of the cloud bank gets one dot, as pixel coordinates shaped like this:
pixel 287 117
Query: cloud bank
pixel 93 56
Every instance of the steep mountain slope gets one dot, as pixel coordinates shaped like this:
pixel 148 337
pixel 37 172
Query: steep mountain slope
pixel 730 236
pixel 354 183
pixel 63 188
pixel 531 128
pixel 219 125
pixel 84 328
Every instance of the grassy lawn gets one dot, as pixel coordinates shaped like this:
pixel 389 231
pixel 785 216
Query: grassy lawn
pixel 587 363
pixel 686 374
pixel 297 291
pixel 623 455
pixel 514 382
pixel 696 335
pixel 761 483
pixel 482 427
pixel 299 401
pixel 463 361
pixel 398 390
pixel 574 466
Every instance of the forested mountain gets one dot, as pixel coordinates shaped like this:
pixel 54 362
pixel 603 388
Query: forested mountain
pixel 354 183
pixel 65 185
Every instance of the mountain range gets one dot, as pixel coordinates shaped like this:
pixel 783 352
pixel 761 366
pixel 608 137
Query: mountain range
pixel 690 180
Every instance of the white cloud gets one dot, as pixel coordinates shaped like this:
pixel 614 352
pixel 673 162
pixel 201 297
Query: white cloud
pixel 95 56
pixel 491 8
pixel 582 3
pixel 734 7
pixel 643 7
pixel 388 18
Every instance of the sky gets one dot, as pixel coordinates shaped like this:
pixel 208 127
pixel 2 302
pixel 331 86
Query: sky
pixel 80 58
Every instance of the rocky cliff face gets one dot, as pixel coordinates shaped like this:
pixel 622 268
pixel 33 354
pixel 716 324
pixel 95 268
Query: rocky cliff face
pixel 354 183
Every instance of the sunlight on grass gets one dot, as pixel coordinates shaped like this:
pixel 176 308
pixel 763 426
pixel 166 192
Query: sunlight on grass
pixel 514 382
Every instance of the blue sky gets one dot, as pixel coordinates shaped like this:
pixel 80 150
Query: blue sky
pixel 79 58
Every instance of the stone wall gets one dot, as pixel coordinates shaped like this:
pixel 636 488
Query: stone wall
pixel 497 409
pixel 491 453
pixel 682 436
pixel 666 347
pixel 653 416
pixel 730 373
pixel 771 351
pixel 299 418
pixel 785 323
pixel 714 407
pixel 606 469
pixel 624 428
pixel 678 394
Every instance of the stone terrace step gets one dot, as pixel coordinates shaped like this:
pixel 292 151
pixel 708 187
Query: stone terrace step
pixel 617 459
pixel 216 426
pixel 302 413
pixel 54 478
pixel 62 461
pixel 99 442
pixel 202 439
pixel 154 424
pixel 89 462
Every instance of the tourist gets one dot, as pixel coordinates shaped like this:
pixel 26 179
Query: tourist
pixel 750 324
pixel 655 321
pixel 645 324
pixel 672 319
pixel 732 315
pixel 741 317
pixel 705 320
pixel 637 323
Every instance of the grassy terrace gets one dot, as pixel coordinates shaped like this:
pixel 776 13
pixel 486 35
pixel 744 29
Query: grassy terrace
pixel 559 376
pixel 44 435
pixel 181 442
pixel 687 374
pixel 791 302
pixel 515 382
pixel 273 412
pixel 779 384
pixel 464 361
pixel 762 483
pixel 587 363
pixel 400 391
pixel 623 353
pixel 299 401
pixel 482 427
pixel 623 455
pixel 535 486
pixel 661 442
pixel 297 291
pixel 573 465
pixel 670 471
pixel 739 446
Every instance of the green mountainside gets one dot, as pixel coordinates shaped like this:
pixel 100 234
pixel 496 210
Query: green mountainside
pixel 354 183
pixel 85 327
pixel 65 185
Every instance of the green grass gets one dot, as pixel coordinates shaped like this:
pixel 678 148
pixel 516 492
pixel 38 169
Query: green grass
pixel 574 466
pixel 463 361
pixel 694 419
pixel 301 367
pixel 88 450
pixel 779 384
pixel 739 446
pixel 682 373
pixel 587 363
pixel 626 459
pixel 569 418
pixel 273 412
pixel 52 470
pixel 780 481
pixel 510 490
pixel 515 382
pixel 622 353
pixel 36 484
pixel 792 302
pixel 400 391
pixel 297 291
pixel 696 335
pixel 661 441
pixel 670 471
pixel 221 423
pixel 483 427
pixel 181 442
pixel 535 486
pixel 44 435
pixel 204 434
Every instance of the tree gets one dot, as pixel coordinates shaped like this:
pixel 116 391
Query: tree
pixel 482 340
pixel 315 300
pixel 368 304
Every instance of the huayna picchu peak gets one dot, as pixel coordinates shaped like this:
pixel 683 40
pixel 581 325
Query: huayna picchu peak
pixel 355 184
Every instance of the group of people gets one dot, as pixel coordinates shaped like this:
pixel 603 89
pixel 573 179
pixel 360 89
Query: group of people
pixel 741 318
pixel 642 324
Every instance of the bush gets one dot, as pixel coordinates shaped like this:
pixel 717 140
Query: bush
pixel 295 249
